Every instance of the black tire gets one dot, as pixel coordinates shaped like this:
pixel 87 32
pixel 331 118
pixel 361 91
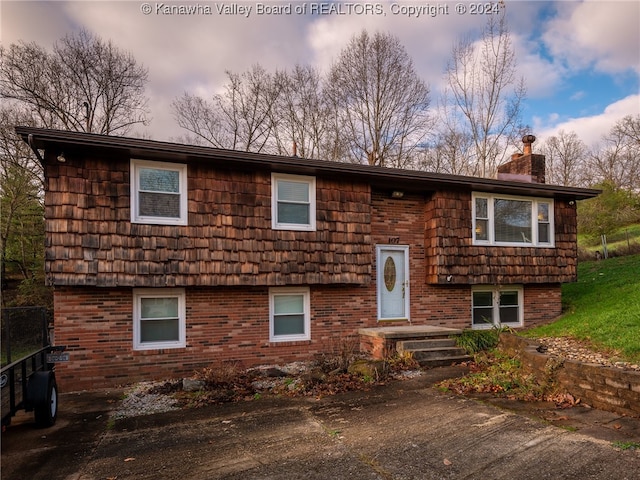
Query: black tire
pixel 43 396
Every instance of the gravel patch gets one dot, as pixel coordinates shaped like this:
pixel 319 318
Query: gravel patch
pixel 146 398
pixel 140 401
pixel 571 349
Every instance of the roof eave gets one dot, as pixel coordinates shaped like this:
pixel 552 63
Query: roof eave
pixel 378 176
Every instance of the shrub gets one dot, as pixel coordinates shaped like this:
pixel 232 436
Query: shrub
pixel 474 341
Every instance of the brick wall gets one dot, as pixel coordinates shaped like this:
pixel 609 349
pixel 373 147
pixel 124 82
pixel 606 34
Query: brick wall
pixel 223 323
pixel 542 304
pixel 606 388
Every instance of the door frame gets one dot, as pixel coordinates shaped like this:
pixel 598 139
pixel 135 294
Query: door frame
pixel 380 281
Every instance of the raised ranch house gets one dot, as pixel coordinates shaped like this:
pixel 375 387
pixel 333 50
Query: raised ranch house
pixel 165 258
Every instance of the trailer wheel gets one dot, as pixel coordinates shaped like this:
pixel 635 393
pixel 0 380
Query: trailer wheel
pixel 43 395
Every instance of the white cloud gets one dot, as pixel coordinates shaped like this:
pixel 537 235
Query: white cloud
pixel 605 34
pixel 590 129
pixel 192 52
pixel 542 77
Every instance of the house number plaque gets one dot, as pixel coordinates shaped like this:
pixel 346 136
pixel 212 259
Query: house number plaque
pixel 389 274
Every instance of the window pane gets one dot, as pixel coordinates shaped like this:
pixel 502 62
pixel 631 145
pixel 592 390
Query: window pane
pixel 543 212
pixel 158 205
pixel 157 180
pixel 543 233
pixel 482 316
pixel 482 210
pixel 159 307
pixel 509 307
pixel 293 213
pixel 159 331
pixel 509 315
pixel 288 325
pixel 293 191
pixel 512 221
pixel 482 232
pixel 482 299
pixel 508 298
pixel 284 304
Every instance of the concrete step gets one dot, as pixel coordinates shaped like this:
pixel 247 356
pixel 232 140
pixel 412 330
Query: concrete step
pixel 444 361
pixel 409 345
pixel 428 353
pixel 433 352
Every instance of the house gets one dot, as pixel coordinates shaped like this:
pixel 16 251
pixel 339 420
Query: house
pixel 165 258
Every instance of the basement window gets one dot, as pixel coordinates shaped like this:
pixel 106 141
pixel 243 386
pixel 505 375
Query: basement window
pixel 289 314
pixel 512 221
pixel 158 193
pixel 159 318
pixel 496 306
pixel 293 202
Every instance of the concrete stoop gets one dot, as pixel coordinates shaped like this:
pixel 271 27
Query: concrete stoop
pixel 433 352
pixel 431 346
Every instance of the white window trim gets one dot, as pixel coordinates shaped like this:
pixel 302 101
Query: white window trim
pixel 534 221
pixel 273 292
pixel 496 305
pixel 311 181
pixel 136 164
pixel 140 293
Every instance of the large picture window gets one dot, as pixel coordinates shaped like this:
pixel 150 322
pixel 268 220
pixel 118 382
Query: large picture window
pixel 493 306
pixel 289 314
pixel 293 202
pixel 504 220
pixel 158 193
pixel 159 318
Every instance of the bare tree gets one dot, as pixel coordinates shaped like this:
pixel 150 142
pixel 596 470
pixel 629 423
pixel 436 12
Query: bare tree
pixel 485 92
pixel 301 113
pixel 84 84
pixel 565 159
pixel 239 119
pixel 379 104
pixel 616 159
pixel 449 153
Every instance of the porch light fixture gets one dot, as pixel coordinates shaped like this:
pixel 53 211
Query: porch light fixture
pixel 397 194
pixel 61 158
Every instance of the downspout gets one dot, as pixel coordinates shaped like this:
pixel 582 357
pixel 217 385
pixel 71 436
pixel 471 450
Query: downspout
pixel 34 149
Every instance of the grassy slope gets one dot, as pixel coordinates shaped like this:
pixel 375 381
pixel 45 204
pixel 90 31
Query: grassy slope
pixel 603 307
pixel 620 239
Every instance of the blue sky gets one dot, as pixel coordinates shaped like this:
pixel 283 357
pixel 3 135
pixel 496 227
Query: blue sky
pixel 580 60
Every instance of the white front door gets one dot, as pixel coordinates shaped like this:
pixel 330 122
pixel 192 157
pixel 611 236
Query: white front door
pixel 393 282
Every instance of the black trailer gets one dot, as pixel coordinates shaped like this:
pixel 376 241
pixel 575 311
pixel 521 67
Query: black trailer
pixel 28 382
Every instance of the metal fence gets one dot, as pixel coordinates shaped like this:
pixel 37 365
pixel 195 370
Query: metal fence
pixel 24 331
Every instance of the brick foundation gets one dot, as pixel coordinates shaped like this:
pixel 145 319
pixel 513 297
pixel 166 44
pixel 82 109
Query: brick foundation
pixel 232 323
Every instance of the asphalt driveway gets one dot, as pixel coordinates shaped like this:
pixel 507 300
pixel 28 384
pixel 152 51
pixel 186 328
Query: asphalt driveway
pixel 404 430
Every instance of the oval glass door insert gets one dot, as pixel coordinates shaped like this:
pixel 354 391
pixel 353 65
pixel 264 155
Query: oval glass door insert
pixel 389 274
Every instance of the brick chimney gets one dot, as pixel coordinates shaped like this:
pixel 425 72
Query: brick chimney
pixel 524 167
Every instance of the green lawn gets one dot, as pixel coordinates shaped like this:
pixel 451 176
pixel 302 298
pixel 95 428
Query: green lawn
pixel 603 307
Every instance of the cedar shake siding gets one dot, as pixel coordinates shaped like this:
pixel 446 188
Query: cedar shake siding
pixel 453 259
pixel 228 241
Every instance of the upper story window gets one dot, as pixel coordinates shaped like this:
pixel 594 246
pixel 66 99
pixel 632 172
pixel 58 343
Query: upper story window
pixel 293 202
pixel 158 192
pixel 516 221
